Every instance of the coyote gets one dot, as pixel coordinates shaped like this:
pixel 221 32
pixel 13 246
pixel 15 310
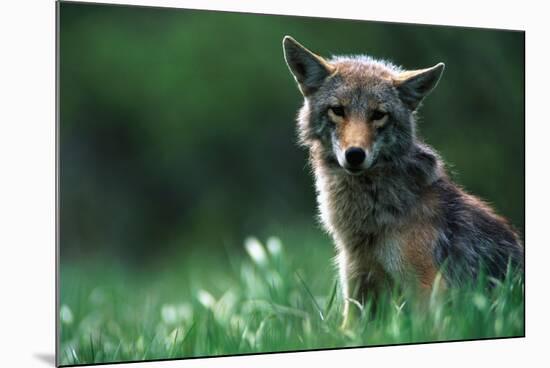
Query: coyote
pixel 383 194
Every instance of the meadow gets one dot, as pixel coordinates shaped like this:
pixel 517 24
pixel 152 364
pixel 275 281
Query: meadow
pixel 177 140
pixel 268 297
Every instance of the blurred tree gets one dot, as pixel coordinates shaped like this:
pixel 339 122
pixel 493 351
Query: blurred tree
pixel 177 126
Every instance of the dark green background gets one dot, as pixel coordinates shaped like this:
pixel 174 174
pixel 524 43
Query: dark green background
pixel 177 127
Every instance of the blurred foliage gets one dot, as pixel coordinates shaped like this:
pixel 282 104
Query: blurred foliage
pixel 177 126
pixel 268 302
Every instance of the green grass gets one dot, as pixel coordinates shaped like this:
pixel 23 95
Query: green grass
pixel 265 299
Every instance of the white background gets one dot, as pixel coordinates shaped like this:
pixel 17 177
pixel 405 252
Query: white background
pixel 27 182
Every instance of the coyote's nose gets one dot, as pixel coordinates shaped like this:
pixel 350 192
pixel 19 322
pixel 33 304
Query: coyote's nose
pixel 355 156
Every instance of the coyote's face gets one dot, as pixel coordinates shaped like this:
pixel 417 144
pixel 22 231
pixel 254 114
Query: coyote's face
pixel 357 111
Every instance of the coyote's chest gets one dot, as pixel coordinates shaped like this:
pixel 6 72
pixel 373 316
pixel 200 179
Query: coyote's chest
pixel 363 220
pixel 359 207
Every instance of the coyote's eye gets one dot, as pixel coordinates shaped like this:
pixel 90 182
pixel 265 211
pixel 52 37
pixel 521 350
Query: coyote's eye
pixel 337 111
pixel 378 115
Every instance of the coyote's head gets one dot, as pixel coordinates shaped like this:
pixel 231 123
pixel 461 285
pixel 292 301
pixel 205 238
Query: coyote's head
pixel 358 112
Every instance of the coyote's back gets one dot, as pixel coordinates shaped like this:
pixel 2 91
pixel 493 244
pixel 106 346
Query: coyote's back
pixel 384 195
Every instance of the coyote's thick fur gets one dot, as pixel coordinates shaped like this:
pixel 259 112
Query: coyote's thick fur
pixel 383 194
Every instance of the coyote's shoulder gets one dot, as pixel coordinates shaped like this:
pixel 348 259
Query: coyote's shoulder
pixel 384 195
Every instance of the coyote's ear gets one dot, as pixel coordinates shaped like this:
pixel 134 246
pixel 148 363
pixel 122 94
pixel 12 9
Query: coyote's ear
pixel 414 85
pixel 309 70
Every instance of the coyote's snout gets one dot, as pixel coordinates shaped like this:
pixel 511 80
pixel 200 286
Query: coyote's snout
pixel 383 194
pixel 354 137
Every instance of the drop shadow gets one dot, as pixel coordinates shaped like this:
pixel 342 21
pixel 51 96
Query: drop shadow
pixel 46 358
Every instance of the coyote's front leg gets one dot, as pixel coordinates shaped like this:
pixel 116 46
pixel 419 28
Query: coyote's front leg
pixel 350 286
pixel 360 284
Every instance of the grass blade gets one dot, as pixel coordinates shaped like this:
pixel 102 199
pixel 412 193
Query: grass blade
pixel 317 306
pixel 330 302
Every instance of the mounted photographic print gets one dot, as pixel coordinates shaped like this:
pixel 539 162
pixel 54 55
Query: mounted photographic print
pixel 233 183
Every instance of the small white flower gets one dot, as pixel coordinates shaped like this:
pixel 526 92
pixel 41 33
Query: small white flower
pixel 274 246
pixel 256 251
pixel 66 315
pixel 169 314
pixel 206 299
pixel 479 301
